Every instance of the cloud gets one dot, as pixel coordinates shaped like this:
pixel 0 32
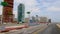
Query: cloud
pixel 53 8
pixel 51 5
pixel 30 5
pixel 35 11
pixel 26 2
pixel 56 4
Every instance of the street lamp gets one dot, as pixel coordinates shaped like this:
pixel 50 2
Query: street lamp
pixel 28 15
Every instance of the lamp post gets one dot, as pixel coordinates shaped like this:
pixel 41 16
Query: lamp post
pixel 28 16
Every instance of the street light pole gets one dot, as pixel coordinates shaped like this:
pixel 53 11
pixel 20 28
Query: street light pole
pixel 28 17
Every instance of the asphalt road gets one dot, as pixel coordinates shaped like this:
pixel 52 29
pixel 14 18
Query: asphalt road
pixel 51 29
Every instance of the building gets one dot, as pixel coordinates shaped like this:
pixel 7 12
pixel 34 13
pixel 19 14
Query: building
pixel 8 12
pixel 37 19
pixel 43 20
pixel 15 20
pixel 49 20
pixel 21 12
pixel 33 19
pixel 0 19
pixel 26 20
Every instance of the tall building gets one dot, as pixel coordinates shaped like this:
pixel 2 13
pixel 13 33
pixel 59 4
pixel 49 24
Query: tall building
pixel 8 12
pixel 21 12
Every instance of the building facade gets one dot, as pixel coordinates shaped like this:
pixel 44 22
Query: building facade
pixel 49 20
pixel 8 12
pixel 26 20
pixel 0 19
pixel 21 12
pixel 33 19
pixel 37 18
pixel 43 19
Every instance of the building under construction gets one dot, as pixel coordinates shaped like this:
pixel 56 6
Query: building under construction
pixel 8 12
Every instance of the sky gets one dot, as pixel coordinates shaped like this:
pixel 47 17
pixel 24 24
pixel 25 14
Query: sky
pixel 47 8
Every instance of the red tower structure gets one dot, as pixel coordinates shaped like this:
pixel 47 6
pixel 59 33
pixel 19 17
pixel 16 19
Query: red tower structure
pixel 8 12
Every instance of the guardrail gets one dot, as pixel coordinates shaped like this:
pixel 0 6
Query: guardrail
pixel 58 27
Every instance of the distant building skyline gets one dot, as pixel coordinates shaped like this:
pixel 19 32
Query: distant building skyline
pixel 43 19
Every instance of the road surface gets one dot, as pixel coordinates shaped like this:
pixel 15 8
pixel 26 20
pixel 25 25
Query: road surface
pixel 29 30
pixel 51 29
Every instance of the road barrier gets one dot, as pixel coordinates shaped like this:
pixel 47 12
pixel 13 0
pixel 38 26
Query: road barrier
pixel 8 28
pixel 58 27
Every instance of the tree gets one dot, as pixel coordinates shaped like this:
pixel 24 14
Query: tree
pixel 4 3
